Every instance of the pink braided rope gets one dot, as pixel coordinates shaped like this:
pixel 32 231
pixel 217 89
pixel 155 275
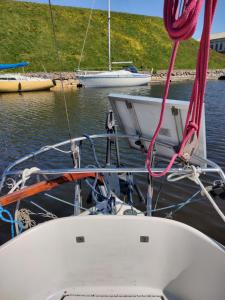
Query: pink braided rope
pixel 181 27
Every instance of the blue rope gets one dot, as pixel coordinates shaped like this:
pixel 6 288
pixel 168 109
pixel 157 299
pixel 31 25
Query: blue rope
pixel 179 206
pixel 93 149
pixel 10 219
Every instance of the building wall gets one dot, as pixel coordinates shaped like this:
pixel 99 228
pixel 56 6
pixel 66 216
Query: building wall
pixel 218 45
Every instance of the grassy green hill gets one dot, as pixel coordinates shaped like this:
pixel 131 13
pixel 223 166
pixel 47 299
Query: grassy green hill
pixel 26 34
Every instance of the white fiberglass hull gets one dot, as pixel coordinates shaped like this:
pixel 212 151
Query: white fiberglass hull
pixel 104 257
pixel 114 79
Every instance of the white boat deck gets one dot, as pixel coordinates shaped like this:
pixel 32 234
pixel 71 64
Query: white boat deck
pixel 112 257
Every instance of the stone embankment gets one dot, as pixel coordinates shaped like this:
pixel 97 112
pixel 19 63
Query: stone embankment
pixel 69 80
pixel 181 75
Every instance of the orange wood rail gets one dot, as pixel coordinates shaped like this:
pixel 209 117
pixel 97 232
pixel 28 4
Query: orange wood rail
pixel 42 187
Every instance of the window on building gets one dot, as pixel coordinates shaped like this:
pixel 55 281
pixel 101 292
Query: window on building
pixel 211 45
pixel 221 46
pixel 216 47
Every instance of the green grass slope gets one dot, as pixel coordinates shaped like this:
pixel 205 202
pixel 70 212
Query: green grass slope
pixel 26 34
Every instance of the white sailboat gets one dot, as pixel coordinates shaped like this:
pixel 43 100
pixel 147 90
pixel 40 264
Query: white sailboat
pixel 127 77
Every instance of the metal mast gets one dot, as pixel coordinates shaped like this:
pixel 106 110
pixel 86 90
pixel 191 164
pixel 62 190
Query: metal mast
pixel 109 34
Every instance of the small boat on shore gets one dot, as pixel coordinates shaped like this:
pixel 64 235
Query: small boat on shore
pixel 11 83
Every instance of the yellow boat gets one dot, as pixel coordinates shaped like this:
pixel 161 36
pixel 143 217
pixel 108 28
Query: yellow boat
pixel 10 83
pixel 16 83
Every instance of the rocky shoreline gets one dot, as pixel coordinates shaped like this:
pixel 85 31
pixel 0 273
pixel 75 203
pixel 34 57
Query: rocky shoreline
pixel 158 76
pixel 181 75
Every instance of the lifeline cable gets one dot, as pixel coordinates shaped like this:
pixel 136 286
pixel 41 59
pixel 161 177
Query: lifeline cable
pixel 180 26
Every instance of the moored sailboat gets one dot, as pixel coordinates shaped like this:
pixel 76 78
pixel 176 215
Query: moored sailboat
pixel 127 77
pixel 19 83
pixel 114 79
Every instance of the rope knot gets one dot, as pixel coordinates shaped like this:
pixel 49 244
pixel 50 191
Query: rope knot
pixel 194 175
pixel 193 125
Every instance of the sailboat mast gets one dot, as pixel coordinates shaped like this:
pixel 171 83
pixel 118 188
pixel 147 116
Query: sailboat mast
pixel 109 34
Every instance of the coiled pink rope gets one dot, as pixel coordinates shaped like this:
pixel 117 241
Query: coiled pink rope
pixel 181 26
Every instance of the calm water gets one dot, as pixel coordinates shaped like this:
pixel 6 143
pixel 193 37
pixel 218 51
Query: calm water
pixel 32 120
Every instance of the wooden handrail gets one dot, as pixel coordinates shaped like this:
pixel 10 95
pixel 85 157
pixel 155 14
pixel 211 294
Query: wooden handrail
pixel 42 187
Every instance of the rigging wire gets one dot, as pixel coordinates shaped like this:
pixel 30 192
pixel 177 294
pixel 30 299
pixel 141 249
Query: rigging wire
pixel 194 176
pixel 60 72
pixel 86 34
